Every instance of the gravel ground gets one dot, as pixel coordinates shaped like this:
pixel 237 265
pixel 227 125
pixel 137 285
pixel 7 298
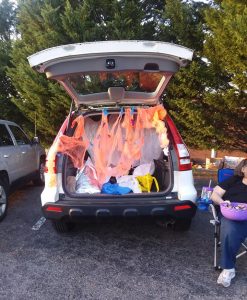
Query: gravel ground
pixel 119 260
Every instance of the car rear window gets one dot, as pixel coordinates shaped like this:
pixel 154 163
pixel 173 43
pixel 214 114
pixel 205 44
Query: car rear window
pixel 21 138
pixel 88 83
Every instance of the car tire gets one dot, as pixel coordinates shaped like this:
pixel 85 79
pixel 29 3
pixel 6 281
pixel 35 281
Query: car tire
pixel 62 226
pixel 40 180
pixel 182 224
pixel 4 188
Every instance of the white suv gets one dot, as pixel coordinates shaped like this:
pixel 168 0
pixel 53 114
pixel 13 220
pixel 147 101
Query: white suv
pixel 21 160
pixel 107 80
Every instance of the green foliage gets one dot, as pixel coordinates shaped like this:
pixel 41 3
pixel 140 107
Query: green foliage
pixel 183 24
pixel 7 20
pixel 8 109
pixel 186 100
pixel 39 28
pixel 227 39
pixel 44 24
pixel 226 50
pixel 185 97
pixel 205 99
pixel 6 88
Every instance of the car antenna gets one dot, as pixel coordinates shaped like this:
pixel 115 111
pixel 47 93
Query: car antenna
pixel 70 114
pixel 35 124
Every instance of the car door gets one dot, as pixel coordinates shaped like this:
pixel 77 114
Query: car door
pixel 26 149
pixel 10 156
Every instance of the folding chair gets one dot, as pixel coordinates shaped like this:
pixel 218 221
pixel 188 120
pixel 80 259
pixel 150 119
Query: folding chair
pixel 223 174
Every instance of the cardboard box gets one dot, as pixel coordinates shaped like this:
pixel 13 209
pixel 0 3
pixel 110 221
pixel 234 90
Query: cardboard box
pixel 213 163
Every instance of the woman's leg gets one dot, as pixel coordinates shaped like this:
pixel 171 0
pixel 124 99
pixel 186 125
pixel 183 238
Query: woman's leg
pixel 233 234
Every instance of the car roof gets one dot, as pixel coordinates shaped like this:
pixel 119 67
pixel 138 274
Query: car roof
pixel 8 122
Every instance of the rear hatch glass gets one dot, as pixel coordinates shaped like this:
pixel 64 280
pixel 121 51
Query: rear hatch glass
pixel 88 83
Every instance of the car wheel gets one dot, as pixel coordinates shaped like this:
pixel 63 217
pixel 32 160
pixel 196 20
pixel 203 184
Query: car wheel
pixel 182 224
pixel 62 226
pixel 40 180
pixel 3 199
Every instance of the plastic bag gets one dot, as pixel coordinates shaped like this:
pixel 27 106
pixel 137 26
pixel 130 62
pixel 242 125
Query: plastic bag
pixel 114 189
pixel 86 179
pixel 152 149
pixel 91 128
pixel 129 181
pixel 144 169
pixel 146 182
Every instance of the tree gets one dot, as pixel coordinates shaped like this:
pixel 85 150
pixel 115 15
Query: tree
pixel 183 23
pixel 44 24
pixel 39 28
pixel 200 97
pixel 7 91
pixel 226 50
pixel 6 87
pixel 7 20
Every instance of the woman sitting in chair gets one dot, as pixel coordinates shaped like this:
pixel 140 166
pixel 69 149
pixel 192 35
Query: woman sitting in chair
pixel 233 233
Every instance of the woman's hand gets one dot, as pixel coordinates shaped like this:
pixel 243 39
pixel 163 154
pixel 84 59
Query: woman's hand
pixel 227 201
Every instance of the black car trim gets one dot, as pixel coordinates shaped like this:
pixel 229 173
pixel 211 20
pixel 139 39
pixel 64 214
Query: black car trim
pixel 72 209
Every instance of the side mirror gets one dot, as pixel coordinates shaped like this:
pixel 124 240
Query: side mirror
pixel 35 140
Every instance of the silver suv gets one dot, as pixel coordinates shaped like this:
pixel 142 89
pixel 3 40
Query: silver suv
pixel 21 160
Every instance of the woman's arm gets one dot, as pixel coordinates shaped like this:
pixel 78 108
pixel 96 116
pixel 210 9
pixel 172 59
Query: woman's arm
pixel 217 195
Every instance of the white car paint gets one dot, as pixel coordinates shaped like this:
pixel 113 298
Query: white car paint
pixel 18 161
pixel 48 57
pixel 51 194
pixel 184 185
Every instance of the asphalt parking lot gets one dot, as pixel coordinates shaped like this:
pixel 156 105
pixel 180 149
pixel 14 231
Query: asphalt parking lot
pixel 111 260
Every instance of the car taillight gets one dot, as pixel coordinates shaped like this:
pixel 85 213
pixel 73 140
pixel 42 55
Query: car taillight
pixel 184 163
pixel 181 207
pixel 54 209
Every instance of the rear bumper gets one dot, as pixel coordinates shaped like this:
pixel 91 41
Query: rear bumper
pixel 76 210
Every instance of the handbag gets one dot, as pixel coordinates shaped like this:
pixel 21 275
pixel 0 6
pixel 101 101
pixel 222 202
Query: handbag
pixel 146 182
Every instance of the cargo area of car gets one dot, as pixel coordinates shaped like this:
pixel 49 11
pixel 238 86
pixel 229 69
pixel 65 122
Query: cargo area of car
pixel 104 170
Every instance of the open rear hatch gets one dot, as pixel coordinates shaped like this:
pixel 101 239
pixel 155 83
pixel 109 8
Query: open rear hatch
pixel 87 70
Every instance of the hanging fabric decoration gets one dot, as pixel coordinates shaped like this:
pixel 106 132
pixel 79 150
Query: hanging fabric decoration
pixel 102 147
pixel 153 117
pixel 115 146
pixel 75 147
pixel 133 140
pixel 115 167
